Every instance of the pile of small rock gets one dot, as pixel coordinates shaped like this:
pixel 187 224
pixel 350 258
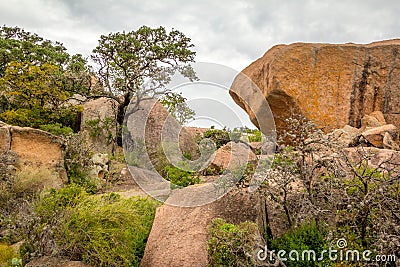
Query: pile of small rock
pixel 374 132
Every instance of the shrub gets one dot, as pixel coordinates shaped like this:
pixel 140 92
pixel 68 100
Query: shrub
pixel 219 137
pixel 30 180
pixel 7 254
pixel 101 128
pixel 78 162
pixel 101 230
pixel 232 245
pixel 254 135
pixel 305 237
pixel 41 227
pixel 56 129
pixel 20 186
pixel 108 231
pixel 180 176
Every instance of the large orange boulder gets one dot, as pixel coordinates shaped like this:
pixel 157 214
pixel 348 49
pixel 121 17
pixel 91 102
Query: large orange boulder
pixel 331 84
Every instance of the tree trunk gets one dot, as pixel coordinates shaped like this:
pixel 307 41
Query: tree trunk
pixel 120 117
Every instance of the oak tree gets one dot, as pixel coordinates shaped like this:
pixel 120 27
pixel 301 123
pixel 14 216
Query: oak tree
pixel 138 64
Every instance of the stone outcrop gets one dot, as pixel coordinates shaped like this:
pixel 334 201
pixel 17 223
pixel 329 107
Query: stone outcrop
pixel 374 132
pixel 5 138
pixel 160 133
pixel 32 147
pixel 100 166
pixel 331 84
pixel 179 235
pixel 196 131
pixel 104 111
pixel 347 136
pixel 388 142
pixel 232 155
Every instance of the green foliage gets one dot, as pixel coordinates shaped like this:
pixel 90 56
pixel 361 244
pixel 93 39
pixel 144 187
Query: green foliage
pixel 370 195
pixel 180 176
pixel 109 231
pixel 20 46
pixel 219 137
pixel 23 185
pixel 101 230
pixel 35 95
pixel 78 162
pixel 212 171
pixel 37 78
pixel 235 135
pixel 101 128
pixel 7 256
pixel 231 245
pixel 126 58
pixel 55 202
pixel 305 237
pixel 254 135
pixel 177 107
pixel 246 134
pixel 56 129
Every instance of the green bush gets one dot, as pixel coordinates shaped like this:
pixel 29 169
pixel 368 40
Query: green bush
pixel 254 135
pixel 305 237
pixel 78 162
pixel 101 128
pixel 56 129
pixel 232 245
pixel 101 230
pixel 219 137
pixel 41 227
pixel 180 176
pixel 7 254
pixel 108 231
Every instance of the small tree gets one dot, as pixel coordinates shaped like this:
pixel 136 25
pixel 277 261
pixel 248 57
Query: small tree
pixel 35 95
pixel 129 59
pixel 369 201
pixel 352 192
pixel 298 179
pixel 38 78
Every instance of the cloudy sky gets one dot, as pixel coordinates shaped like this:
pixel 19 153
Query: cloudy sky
pixel 233 33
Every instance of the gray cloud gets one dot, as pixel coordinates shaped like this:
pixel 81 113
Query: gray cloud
pixel 229 32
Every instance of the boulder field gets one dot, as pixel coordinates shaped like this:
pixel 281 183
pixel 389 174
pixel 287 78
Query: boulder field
pixel 331 84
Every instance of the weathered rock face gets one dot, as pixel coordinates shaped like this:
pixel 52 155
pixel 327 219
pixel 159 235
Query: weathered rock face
pixel 162 128
pixel 233 155
pixel 33 147
pixel 331 84
pixel 104 111
pixel 347 136
pixel 5 138
pixel 377 158
pixel 195 131
pixel 179 235
pixel 36 146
